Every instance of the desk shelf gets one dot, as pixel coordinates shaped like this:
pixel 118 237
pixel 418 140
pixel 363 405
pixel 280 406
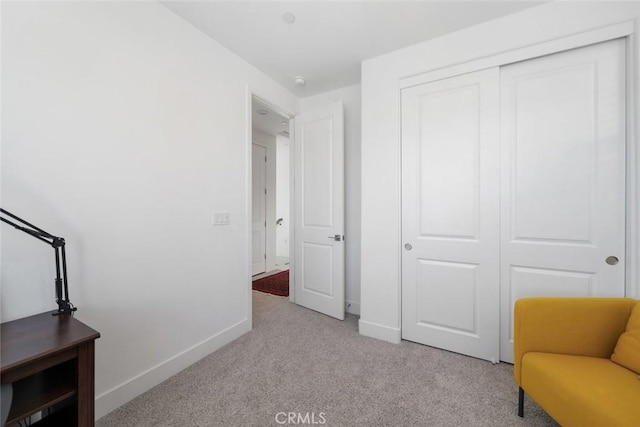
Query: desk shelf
pixel 42 390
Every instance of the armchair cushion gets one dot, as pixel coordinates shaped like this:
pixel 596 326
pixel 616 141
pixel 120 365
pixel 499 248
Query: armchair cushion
pixel 582 390
pixel 627 351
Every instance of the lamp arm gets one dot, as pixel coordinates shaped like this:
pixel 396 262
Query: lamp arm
pixel 58 244
pixel 22 221
pixel 35 233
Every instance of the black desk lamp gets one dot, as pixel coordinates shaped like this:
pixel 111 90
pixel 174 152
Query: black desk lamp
pixel 62 288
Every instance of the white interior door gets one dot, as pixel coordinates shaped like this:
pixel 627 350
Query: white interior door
pixel 450 214
pixel 563 178
pixel 319 210
pixel 259 209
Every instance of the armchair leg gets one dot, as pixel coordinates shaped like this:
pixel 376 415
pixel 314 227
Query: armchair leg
pixel 520 402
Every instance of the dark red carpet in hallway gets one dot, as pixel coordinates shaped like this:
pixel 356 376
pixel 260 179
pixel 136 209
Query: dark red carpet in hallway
pixel 276 284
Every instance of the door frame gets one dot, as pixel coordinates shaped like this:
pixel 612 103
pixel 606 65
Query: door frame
pixel 625 30
pixel 250 94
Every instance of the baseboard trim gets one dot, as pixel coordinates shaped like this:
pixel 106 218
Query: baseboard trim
pixel 381 332
pixel 123 393
pixel 352 307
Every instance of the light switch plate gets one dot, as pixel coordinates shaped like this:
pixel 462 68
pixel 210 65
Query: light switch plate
pixel 221 218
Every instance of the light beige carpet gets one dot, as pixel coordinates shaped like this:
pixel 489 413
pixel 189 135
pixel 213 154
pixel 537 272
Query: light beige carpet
pixel 298 361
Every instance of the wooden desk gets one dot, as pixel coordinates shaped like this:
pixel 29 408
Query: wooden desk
pixel 50 361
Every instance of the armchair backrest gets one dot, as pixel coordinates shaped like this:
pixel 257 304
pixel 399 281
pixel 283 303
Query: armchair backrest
pixel 577 326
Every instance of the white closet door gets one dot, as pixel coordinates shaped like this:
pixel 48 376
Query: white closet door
pixel 563 178
pixel 450 195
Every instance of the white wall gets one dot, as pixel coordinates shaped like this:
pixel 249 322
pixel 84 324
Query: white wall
pixel 123 129
pixel 350 97
pixel 269 142
pixel 381 245
pixel 283 167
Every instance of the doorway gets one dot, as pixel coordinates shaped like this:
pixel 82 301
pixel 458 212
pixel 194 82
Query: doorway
pixel 316 268
pixel 270 212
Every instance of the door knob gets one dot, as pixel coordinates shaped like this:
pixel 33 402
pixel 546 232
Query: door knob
pixel 408 246
pixel 611 260
pixel 335 237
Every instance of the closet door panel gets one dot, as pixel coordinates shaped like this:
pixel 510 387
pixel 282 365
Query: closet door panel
pixel 563 177
pixel 450 190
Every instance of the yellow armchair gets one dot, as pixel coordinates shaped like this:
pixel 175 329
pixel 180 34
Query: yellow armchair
pixel 562 350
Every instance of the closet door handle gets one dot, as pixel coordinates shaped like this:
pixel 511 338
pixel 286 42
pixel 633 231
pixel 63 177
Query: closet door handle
pixel 611 260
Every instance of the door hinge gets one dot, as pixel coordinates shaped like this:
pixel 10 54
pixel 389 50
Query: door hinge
pixel 265 159
pixel 265 191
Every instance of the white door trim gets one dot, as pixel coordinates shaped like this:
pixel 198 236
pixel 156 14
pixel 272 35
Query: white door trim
pixel 632 225
pixel 626 29
pixel 292 208
pixel 616 31
pixel 249 95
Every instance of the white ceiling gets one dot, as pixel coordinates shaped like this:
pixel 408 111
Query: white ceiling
pixel 329 39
